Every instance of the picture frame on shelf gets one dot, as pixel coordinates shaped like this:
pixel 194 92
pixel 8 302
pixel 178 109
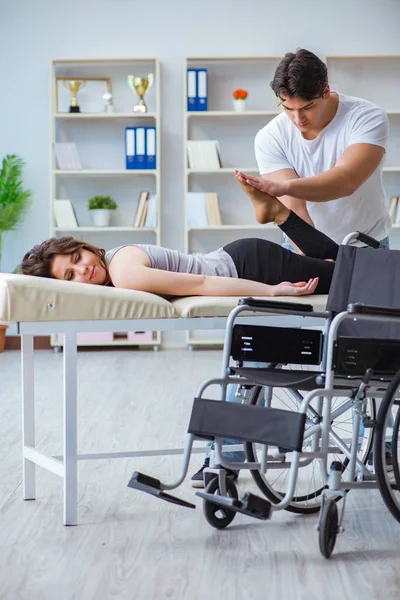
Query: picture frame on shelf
pixel 89 97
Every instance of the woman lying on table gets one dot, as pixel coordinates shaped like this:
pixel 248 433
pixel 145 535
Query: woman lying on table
pixel 245 267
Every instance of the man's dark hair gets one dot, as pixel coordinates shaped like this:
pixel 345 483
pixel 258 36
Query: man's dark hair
pixel 300 75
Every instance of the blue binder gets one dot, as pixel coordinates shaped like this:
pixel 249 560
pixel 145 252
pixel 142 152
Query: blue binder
pixel 202 89
pixel 130 147
pixel 140 156
pixel 151 145
pixel 191 90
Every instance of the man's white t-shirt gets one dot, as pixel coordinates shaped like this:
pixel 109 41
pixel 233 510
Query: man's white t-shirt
pixel 280 145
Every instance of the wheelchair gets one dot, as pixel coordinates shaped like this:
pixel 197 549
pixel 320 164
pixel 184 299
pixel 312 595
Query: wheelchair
pixel 325 406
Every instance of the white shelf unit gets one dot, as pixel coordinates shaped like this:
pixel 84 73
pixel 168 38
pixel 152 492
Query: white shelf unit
pixel 100 140
pixel 375 78
pixel 235 133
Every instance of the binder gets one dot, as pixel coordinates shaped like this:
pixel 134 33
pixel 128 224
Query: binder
pixel 151 161
pixel 202 89
pixel 191 90
pixel 140 156
pixel 130 143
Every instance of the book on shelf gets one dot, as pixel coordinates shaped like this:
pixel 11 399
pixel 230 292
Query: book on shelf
pixel 151 216
pixel 202 210
pixel 140 207
pixel 144 212
pixel 67 156
pixel 203 154
pixel 213 212
pixel 393 208
pixel 64 214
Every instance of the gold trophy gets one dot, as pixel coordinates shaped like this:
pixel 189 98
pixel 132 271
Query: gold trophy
pixel 140 85
pixel 74 85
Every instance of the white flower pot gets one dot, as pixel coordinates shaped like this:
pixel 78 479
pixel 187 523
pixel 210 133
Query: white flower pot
pixel 101 217
pixel 239 105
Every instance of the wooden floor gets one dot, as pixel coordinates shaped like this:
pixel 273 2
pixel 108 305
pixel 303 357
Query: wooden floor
pixel 132 546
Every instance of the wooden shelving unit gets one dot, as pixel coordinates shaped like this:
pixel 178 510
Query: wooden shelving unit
pixel 100 140
pixel 235 133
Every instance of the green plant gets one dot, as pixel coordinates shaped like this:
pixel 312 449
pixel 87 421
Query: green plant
pixel 104 202
pixel 14 200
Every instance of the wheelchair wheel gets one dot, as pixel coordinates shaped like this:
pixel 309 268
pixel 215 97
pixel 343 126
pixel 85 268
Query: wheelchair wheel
pixel 310 482
pixel 328 527
pixel 387 447
pixel 219 516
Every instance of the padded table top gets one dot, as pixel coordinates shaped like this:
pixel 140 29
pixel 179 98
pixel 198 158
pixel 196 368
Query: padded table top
pixel 24 298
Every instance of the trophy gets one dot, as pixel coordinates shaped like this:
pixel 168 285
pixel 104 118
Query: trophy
pixel 74 85
pixel 140 85
pixel 108 107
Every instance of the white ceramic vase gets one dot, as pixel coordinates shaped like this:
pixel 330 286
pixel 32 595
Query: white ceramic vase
pixel 101 217
pixel 239 105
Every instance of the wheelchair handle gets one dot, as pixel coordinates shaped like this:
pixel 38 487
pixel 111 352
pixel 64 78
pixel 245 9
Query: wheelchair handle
pixel 361 237
pixel 368 240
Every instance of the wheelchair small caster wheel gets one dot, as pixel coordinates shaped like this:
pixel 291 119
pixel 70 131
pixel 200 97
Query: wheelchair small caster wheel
pixel 328 527
pixel 219 516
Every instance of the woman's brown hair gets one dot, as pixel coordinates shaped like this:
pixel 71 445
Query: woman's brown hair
pixel 39 260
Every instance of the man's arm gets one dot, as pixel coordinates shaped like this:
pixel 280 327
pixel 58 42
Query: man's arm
pixel 353 168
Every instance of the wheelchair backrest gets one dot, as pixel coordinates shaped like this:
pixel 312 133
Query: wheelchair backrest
pixel 369 276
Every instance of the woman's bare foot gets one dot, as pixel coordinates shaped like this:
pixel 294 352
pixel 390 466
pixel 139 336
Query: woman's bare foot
pixel 267 208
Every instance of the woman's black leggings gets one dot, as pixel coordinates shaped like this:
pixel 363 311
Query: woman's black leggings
pixel 267 262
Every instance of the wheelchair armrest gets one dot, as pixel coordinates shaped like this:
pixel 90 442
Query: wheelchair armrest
pixel 367 239
pixel 257 303
pixel 379 311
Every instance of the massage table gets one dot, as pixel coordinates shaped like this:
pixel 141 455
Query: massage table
pixel 40 306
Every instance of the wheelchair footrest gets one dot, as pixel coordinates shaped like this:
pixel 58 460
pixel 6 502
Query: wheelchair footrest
pixel 150 485
pixel 248 504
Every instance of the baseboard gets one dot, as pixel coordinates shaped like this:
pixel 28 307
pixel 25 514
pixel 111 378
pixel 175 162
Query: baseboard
pixel 40 342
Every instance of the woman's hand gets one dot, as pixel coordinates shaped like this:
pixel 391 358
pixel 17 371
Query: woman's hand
pixel 302 288
pixel 273 188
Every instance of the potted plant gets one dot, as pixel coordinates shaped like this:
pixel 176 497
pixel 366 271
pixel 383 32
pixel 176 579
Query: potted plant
pixel 14 202
pixel 239 100
pixel 101 207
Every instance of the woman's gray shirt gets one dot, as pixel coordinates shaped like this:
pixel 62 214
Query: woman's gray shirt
pixel 217 263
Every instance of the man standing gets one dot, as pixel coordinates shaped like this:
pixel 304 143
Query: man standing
pixel 322 157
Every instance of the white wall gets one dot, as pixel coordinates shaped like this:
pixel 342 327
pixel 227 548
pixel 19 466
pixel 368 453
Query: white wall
pixel 33 32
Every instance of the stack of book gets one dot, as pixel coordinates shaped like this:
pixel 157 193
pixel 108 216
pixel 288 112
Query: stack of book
pixel 146 211
pixel 203 154
pixel 67 156
pixel 202 210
